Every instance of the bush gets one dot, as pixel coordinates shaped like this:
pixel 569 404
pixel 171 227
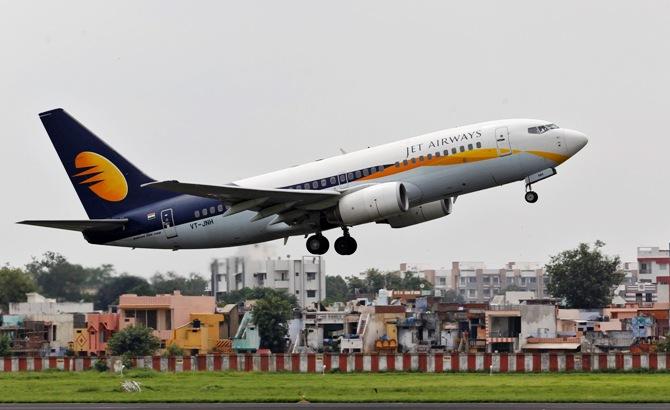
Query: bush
pixel 133 341
pixel 5 347
pixel 173 350
pixel 101 365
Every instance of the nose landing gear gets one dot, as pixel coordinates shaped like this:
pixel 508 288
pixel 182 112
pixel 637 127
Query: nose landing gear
pixel 531 196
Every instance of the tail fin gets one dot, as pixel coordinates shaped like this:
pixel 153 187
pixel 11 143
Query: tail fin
pixel 106 182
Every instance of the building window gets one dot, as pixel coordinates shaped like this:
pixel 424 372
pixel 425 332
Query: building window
pixel 462 280
pixel 472 279
pixel 311 293
pixel 297 292
pixel 311 275
pixel 472 293
pixel 486 279
pixel 487 292
pixel 168 320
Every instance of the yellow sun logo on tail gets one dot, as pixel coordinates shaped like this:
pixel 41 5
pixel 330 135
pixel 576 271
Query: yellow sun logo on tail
pixel 104 178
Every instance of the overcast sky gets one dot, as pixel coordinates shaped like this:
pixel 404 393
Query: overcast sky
pixel 212 92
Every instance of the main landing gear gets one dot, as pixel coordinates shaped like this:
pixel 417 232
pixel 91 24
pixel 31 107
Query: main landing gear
pixel 344 245
pixel 531 196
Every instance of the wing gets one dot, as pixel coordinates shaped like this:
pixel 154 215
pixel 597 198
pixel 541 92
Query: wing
pixel 287 204
pixel 85 225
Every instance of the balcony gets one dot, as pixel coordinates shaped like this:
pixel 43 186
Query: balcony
pixel 351 344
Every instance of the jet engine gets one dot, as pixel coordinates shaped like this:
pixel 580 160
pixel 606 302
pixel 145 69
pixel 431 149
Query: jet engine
pixel 372 203
pixel 421 213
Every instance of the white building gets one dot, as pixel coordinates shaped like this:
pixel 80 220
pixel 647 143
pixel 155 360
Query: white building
pixel 38 304
pixel 62 316
pixel 303 277
pixel 653 262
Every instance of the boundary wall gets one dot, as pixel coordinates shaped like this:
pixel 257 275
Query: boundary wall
pixel 317 363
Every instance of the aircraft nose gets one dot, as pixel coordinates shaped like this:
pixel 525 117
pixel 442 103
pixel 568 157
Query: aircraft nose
pixel 575 141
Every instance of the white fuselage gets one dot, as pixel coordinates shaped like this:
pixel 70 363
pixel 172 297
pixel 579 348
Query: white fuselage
pixel 478 156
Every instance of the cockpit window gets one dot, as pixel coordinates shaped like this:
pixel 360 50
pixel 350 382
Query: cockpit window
pixel 541 129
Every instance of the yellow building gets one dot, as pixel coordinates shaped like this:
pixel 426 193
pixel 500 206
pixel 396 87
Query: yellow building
pixel 200 335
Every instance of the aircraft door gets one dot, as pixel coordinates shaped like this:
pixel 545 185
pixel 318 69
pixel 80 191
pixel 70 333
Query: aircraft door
pixel 502 142
pixel 167 220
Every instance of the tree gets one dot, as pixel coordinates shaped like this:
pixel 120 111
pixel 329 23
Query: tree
pixel 133 341
pixel 336 290
pixel 411 282
pixel 238 296
pixel 356 286
pixel 14 284
pixel 5 346
pixel 584 277
pixel 193 285
pixel 452 296
pixel 271 315
pixel 57 278
pixel 110 292
pixel 663 345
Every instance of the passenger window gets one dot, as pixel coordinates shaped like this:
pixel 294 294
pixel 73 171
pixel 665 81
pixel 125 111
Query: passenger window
pixel 350 176
pixel 404 162
pixel 420 157
pixel 479 145
pixel 437 154
pixel 453 150
pixel 470 147
pixel 323 183
pixel 430 156
pixel 397 164
pixel 315 185
pixel 220 208
pixel 343 179
pixel 446 152
pixel 204 212
pixel 305 186
pixel 333 181
pixel 357 174
pixel 462 148
pixel 413 160
pixel 212 210
pixel 365 172
pixel 197 214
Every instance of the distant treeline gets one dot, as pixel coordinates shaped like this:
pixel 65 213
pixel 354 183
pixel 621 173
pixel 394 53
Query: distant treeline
pixel 54 276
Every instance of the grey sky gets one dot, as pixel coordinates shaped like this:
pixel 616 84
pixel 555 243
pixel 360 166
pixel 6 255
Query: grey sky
pixel 212 92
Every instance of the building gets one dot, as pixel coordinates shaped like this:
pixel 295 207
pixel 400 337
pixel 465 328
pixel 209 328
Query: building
pixel 92 339
pixel 442 279
pixel 653 262
pixel 202 334
pixel 478 284
pixel 303 277
pixel 61 318
pixel 162 313
pixel 38 304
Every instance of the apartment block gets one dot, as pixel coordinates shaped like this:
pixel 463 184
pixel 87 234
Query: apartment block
pixel 653 262
pixel 477 284
pixel 303 277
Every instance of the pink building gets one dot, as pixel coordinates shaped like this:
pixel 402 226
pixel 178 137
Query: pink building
pixel 163 313
pixel 92 341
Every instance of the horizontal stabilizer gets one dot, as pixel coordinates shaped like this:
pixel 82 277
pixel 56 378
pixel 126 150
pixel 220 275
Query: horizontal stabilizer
pixel 86 225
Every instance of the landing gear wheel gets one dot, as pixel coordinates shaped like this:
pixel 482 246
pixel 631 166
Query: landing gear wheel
pixel 345 245
pixel 317 244
pixel 531 197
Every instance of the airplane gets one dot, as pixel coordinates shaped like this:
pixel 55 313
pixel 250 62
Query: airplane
pixel 400 184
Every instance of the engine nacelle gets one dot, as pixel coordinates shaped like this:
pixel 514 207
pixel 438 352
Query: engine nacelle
pixel 372 203
pixel 421 213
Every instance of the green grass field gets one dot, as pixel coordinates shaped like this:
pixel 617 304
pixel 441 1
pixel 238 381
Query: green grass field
pixel 92 386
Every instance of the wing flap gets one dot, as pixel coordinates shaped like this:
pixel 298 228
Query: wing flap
pixel 84 225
